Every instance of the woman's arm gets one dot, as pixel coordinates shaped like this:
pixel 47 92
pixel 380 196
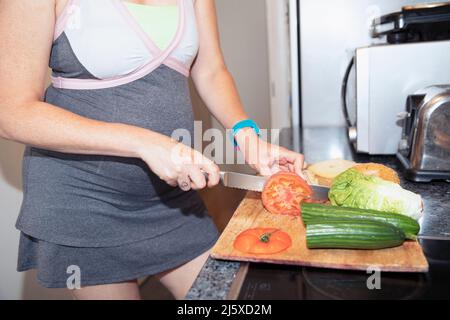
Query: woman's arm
pixel 218 90
pixel 26 34
pixel 212 79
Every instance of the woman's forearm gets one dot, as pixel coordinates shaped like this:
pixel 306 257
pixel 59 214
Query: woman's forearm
pixel 212 79
pixel 49 127
pixel 219 92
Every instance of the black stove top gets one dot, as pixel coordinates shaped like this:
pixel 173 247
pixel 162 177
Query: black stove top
pixel 270 282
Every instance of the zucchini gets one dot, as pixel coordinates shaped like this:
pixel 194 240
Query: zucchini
pixel 312 211
pixel 353 234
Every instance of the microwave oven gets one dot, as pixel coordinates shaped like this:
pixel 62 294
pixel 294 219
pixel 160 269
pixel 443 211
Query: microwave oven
pixel 384 76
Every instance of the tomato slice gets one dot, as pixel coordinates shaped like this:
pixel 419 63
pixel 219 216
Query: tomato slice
pixel 284 192
pixel 262 241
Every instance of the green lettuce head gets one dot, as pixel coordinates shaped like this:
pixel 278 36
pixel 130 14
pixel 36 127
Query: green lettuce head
pixel 356 190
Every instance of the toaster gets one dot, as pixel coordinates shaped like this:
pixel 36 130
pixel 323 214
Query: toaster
pixel 424 148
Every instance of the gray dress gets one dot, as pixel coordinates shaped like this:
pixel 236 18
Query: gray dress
pixel 110 216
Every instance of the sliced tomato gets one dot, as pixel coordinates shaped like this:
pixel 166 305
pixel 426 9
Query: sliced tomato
pixel 262 241
pixel 284 192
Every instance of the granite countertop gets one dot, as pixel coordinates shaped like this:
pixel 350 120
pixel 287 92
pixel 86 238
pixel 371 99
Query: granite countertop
pixel 216 277
pixel 214 281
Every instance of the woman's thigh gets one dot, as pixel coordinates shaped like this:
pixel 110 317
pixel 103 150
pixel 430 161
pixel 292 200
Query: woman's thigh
pixel 117 291
pixel 179 280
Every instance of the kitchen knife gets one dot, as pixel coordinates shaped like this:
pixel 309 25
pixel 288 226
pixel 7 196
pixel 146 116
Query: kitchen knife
pixel 256 183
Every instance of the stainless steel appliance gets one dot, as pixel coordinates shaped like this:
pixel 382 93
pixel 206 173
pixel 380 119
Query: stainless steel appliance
pixel 424 150
pixel 385 76
pixel 416 55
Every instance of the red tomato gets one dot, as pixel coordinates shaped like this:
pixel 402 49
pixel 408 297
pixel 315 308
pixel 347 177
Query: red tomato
pixel 262 241
pixel 283 193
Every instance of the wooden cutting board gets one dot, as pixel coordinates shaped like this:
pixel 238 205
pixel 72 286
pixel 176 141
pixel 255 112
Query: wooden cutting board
pixel 251 214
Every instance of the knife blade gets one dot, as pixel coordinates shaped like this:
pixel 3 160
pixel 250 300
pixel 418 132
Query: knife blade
pixel 256 183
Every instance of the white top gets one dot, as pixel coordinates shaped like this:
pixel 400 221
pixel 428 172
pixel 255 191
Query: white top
pixel 109 42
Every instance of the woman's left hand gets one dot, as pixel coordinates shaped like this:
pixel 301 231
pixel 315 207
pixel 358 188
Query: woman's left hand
pixel 268 158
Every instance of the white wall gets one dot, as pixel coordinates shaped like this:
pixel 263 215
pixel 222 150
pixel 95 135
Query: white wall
pixel 10 198
pixel 243 31
pixel 243 34
pixel 330 30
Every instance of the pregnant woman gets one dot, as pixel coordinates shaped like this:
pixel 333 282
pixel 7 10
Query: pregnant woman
pixel 105 202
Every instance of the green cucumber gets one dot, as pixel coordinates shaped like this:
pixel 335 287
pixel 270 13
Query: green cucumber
pixel 353 234
pixel 312 212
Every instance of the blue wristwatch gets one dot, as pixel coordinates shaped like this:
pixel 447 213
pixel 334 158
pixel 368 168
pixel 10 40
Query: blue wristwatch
pixel 248 123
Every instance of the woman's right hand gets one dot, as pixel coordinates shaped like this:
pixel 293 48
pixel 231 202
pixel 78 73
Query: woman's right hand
pixel 179 165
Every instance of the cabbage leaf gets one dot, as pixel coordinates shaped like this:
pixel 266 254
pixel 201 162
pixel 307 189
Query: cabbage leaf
pixel 356 190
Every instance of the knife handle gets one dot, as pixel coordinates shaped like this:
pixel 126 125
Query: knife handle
pixel 222 175
pixel 206 175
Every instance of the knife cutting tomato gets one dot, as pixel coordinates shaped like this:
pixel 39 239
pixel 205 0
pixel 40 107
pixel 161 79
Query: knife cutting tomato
pixel 283 193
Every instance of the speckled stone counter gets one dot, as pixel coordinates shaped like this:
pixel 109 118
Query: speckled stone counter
pixel 318 144
pixel 214 281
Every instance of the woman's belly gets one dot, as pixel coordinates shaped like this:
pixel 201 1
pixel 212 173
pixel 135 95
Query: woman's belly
pixel 159 102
